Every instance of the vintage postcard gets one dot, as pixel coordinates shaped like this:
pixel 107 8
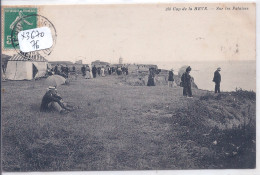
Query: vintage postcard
pixel 128 87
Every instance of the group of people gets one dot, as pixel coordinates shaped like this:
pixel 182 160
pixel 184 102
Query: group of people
pixel 89 72
pixel 53 101
pixel 186 80
pixel 61 70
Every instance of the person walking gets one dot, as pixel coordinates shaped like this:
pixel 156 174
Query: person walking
pixel 217 80
pixel 170 78
pixel 94 71
pixel 186 83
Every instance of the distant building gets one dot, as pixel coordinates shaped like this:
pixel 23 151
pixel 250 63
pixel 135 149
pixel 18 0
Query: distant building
pixel 99 63
pixel 120 60
pixel 78 62
pixel 141 67
pixel 53 63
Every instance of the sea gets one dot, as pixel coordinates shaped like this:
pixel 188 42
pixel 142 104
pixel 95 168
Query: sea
pixel 234 74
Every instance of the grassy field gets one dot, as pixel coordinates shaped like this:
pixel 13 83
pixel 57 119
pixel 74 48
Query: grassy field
pixel 123 127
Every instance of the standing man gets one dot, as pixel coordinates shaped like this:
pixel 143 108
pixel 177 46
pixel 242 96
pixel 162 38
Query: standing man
pixel 94 71
pixel 186 83
pixel 56 69
pixel 170 78
pixel 217 80
pixel 83 70
pixel 66 71
pixel 109 70
pixel 151 77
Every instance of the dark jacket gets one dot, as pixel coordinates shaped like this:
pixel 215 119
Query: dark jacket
pixel 94 70
pixel 186 79
pixel 83 69
pixel 49 96
pixel 217 77
pixel 170 77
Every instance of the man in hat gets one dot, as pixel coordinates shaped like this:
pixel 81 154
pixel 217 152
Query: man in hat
pixel 94 71
pixel 186 83
pixel 83 70
pixel 53 101
pixel 170 78
pixel 217 80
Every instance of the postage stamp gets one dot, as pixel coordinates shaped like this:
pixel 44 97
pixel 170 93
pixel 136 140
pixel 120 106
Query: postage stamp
pixel 11 17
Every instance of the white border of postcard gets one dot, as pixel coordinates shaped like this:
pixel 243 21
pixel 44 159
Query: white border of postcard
pixel 155 172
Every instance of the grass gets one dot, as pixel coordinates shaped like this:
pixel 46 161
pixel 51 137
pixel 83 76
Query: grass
pixel 123 127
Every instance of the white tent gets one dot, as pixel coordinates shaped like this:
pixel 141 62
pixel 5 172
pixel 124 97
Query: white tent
pixel 21 68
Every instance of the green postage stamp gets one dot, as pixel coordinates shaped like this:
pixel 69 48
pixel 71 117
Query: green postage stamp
pixel 11 17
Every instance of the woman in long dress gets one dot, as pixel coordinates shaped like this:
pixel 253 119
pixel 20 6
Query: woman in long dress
pixel 102 71
pixel 90 71
pixel 87 76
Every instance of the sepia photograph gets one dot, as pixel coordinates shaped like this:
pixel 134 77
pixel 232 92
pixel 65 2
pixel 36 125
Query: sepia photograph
pixel 119 87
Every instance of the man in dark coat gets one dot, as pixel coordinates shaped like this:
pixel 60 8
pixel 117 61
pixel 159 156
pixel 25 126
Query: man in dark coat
pixel 66 71
pixel 94 71
pixel 217 80
pixel 73 69
pixel 53 101
pixel 83 70
pixel 170 78
pixel 99 71
pixel 109 70
pixel 186 83
pixel 56 69
pixel 151 78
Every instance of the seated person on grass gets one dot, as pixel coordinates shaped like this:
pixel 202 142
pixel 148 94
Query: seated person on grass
pixel 53 101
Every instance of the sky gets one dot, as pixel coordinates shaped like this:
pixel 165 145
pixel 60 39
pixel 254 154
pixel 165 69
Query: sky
pixel 149 33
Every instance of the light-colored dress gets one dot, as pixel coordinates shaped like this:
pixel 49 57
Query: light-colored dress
pixel 102 72
pixel 87 76
pixel 91 74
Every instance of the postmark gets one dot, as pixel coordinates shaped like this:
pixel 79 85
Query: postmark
pixel 20 25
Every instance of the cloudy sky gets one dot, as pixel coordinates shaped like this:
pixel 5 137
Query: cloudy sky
pixel 149 33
